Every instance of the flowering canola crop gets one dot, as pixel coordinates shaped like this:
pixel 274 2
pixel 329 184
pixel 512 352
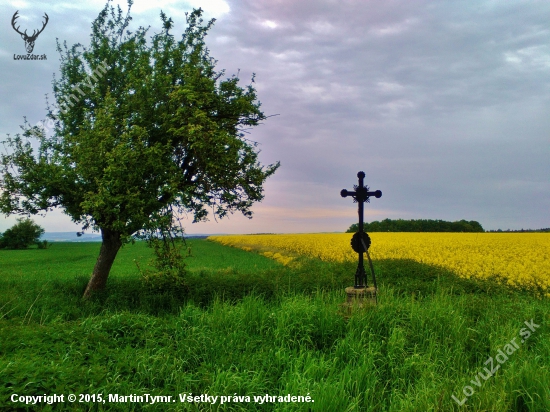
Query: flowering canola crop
pixel 520 258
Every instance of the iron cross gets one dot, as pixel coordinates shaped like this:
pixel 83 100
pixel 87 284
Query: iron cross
pixel 361 195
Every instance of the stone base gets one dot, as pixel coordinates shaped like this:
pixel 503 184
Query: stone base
pixel 359 298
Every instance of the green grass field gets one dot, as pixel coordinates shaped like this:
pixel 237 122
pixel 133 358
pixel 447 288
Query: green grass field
pixel 247 326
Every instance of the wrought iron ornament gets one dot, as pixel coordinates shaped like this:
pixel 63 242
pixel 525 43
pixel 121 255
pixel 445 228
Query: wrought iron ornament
pixel 360 241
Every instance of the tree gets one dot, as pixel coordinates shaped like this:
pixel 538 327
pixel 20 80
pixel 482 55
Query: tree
pixel 21 235
pixel 145 132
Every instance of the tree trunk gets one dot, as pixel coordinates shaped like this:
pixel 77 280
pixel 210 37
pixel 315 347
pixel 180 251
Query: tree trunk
pixel 109 249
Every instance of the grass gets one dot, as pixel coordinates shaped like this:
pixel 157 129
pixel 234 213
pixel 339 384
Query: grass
pixel 248 326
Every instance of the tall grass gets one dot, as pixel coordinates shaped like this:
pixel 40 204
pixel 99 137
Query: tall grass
pixel 249 326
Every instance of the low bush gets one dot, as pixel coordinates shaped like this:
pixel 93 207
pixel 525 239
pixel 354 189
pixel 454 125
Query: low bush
pixel 22 235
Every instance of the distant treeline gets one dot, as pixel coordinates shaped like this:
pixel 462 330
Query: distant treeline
pixel 545 229
pixel 419 225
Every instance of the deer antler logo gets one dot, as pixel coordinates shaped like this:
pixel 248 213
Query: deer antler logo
pixel 29 40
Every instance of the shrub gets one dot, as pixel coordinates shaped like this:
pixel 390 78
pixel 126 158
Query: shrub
pixel 43 244
pixel 167 270
pixel 21 235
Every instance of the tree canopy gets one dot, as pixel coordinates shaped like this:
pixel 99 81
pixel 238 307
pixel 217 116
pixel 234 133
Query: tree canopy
pixel 143 131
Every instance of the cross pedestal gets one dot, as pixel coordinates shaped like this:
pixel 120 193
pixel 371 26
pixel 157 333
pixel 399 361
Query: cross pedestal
pixel 360 297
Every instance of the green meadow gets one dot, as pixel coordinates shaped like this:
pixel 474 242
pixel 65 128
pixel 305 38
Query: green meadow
pixel 253 334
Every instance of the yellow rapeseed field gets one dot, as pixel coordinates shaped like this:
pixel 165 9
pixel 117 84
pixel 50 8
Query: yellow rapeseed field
pixel 520 258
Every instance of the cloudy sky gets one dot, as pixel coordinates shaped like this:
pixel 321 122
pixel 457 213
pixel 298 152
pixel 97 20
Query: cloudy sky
pixel 443 104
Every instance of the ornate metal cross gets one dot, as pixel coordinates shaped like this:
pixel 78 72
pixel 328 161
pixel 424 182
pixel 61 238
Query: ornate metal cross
pixel 360 241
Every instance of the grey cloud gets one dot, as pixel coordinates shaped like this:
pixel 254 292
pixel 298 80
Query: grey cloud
pixel 443 104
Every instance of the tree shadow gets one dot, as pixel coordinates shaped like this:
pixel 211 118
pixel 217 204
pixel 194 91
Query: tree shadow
pixel 404 277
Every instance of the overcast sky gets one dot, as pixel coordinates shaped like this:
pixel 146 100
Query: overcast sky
pixel 444 105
